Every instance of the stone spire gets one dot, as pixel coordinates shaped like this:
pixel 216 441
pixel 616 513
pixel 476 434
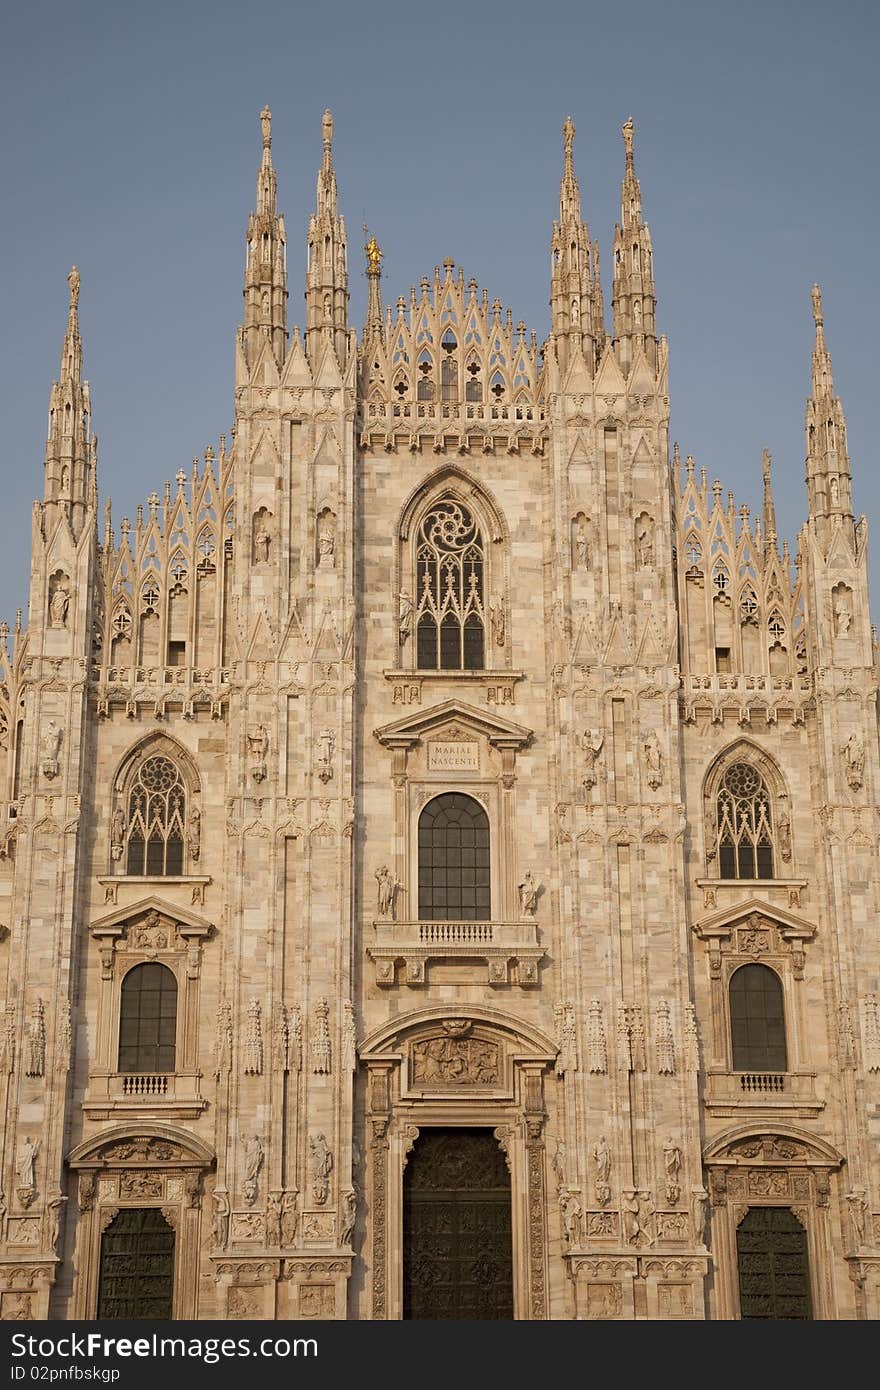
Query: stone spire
pixel 829 483
pixel 634 301
pixel 575 311
pixel 373 323
pixel 770 533
pixel 70 480
pixel 265 276
pixel 327 274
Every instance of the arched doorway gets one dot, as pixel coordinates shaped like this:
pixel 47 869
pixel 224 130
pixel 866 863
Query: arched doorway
pixel 137 1265
pixel 457 1241
pixel 773 1265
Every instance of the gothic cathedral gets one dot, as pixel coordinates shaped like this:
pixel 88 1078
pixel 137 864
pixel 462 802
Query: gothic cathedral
pixel 438 863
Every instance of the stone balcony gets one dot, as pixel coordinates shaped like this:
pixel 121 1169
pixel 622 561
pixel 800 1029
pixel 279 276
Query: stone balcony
pixel 510 950
pixel 173 1094
pixel 777 1092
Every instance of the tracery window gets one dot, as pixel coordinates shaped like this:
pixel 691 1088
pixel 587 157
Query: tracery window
pixel 450 578
pixel 454 870
pixel 148 1019
pixel 757 1020
pixel 745 834
pixel 156 819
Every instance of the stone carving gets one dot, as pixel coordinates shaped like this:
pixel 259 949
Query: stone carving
pixel 321 1052
pixel 663 1039
pixel 326 539
pixel 55 1207
pixel 386 892
pixel 858 1215
pixel 296 1038
pixel 638 1216
pixel 223 1039
pixel 320 1167
pixel 349 1216
pixel 281 1040
pixel 872 1033
pixel 566 1038
pixel 496 620
pixel 405 617
pixel 117 833
pixel 591 746
pixel 846 1038
pixel 243 1304
pixel 262 537
pixel 597 1052
pixel 85 1197
pixel 601 1155
pixel 252 1048
pixel 36 1040
pixel 644 542
pixel 317 1302
pixel 253 1162
pixel 326 745
pixel 691 1038
pixel 194 834
pixel 653 759
pixel 854 756
pixel 349 1038
pixel 50 745
pixel 842 612
pixel 59 600
pixel 445 1060
pixel 220 1219
pixel 528 895
pixel 63 1042
pixel 289 1218
pixel 559 1166
pixel 572 1219
pixel 631 1034
pixel 273 1220
pixel 580 542
pixel 672 1169
pixel 7 1048
pixel 26 1170
pixel 258 750
pixel 604 1300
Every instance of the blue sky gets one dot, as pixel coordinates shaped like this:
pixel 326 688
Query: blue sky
pixel 132 145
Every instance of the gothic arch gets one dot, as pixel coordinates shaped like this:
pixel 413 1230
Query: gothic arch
pixel 149 746
pixel 744 750
pixel 449 480
pixel 777 809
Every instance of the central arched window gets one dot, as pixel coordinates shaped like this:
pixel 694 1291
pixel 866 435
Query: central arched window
pixel 156 819
pixel 454 871
pixel 148 1019
pixel 757 1020
pixel 450 575
pixel 745 833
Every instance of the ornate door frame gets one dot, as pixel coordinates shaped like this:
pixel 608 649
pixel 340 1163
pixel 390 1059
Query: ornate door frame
pixel 150 1165
pixel 779 1166
pixel 457 1066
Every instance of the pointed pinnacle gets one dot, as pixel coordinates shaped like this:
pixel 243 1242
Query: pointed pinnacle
pixel 627 130
pixel 266 123
pixel 327 132
pixel 568 134
pixel 73 282
pixel 816 296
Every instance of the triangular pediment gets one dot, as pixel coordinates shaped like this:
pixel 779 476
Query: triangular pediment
pixel 413 727
pixel 132 913
pixel 723 921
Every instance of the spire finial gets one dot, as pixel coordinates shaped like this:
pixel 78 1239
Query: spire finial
pixel 627 130
pixel 73 282
pixel 816 296
pixel 266 123
pixel 327 130
pixel 568 134
pixel 374 254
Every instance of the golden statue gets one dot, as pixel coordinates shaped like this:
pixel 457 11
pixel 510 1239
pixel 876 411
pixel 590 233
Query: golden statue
pixel 374 256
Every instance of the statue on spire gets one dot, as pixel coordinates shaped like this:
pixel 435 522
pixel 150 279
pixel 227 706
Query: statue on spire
pixel 327 128
pixel 73 282
pixel 568 134
pixel 816 296
pixel 374 255
pixel 627 130
pixel 266 123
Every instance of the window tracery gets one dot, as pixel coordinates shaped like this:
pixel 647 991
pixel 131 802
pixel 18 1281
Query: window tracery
pixel 744 824
pixel 156 819
pixel 450 573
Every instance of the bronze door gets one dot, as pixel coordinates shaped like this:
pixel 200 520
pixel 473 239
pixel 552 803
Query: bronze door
pixel 774 1273
pixel 457 1246
pixel 137 1266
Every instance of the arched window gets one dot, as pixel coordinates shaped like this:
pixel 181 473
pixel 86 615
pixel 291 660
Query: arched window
pixel 156 819
pixel 148 1019
pixel 745 833
pixel 450 579
pixel 454 876
pixel 757 1020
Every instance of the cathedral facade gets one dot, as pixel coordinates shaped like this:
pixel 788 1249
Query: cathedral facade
pixel 438 868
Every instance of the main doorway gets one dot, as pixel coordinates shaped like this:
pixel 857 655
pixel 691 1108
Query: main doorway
pixel 137 1266
pixel 774 1273
pixel 457 1242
